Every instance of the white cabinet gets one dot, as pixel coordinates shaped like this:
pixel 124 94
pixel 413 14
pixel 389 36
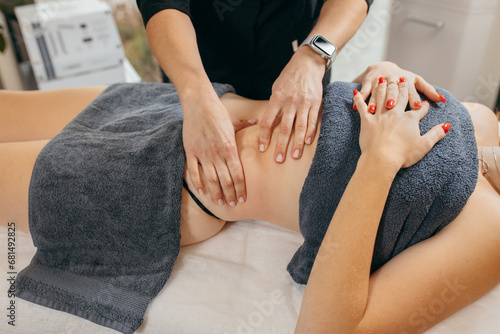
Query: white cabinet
pixel 448 43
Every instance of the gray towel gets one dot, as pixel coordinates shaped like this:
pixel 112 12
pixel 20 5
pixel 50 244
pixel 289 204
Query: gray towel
pixel 423 199
pixel 104 207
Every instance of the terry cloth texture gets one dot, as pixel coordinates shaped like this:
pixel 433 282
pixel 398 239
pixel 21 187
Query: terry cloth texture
pixel 104 207
pixel 423 199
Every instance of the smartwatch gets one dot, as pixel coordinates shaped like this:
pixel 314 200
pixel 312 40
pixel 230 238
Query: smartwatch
pixel 323 47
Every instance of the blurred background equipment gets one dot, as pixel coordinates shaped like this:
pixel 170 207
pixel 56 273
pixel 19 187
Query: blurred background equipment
pixel 72 43
pixel 64 43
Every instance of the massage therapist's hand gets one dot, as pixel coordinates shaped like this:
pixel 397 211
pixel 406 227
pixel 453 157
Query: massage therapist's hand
pixel 392 136
pixel 391 73
pixel 209 141
pixel 295 102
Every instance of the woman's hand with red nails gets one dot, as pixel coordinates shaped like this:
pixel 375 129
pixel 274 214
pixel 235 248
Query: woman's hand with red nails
pixel 391 74
pixel 392 136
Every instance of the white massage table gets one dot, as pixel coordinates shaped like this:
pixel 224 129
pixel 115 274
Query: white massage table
pixel 234 283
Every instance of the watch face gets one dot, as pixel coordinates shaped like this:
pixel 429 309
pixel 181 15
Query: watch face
pixel 324 45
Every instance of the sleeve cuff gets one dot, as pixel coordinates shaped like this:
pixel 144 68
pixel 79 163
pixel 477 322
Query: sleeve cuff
pixel 149 8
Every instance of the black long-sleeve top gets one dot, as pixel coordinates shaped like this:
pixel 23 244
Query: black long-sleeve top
pixel 246 43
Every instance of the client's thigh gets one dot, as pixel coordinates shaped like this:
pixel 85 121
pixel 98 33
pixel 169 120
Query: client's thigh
pixel 36 115
pixel 16 164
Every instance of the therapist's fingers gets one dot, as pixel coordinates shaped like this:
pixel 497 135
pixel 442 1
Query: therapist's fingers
pixel 312 124
pixel 300 132
pixel 212 182
pixel 194 173
pixel 226 184
pixel 230 176
pixel 266 124
pixel 285 130
pixel 237 176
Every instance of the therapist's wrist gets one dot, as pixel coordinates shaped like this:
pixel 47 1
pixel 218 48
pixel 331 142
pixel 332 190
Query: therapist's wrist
pixel 196 89
pixel 311 58
pixel 203 101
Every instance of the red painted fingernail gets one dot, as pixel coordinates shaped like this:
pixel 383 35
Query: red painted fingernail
pixel 355 92
pixel 372 109
pixel 443 99
pixel 390 103
pixel 417 104
pixel 446 127
pixel 402 79
pixel 381 80
pixel 355 108
pixel 426 101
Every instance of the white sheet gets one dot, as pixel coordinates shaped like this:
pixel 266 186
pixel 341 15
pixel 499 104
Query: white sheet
pixel 233 283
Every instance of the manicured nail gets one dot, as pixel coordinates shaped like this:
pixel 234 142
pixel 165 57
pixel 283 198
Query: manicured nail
pixel 402 79
pixel 279 158
pixel 200 191
pixel 426 101
pixel 232 203
pixel 261 147
pixel 372 109
pixel 296 153
pixel 417 105
pixel 355 92
pixel 381 80
pixel 309 140
pixel 355 108
pixel 446 127
pixel 443 99
pixel 252 121
pixel 241 199
pixel 390 103
pixel 220 201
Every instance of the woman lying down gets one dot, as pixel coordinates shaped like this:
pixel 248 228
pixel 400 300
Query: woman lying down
pixel 396 206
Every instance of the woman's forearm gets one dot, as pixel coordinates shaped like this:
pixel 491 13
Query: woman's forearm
pixel 337 291
pixel 173 40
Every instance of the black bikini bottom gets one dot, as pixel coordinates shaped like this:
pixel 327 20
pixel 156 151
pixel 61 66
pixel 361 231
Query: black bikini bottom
pixel 197 201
